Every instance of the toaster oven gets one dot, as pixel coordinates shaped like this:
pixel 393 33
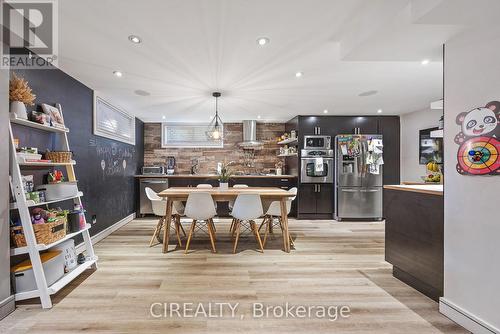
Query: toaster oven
pixel 153 170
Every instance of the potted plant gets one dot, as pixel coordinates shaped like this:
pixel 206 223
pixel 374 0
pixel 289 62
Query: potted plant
pixel 20 95
pixel 224 175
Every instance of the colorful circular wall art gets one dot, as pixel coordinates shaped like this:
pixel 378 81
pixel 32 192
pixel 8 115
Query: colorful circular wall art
pixel 479 156
pixel 479 149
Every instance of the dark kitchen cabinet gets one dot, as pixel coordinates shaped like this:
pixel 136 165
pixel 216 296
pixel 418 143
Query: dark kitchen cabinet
pixel 307 199
pixel 324 199
pixel 367 124
pixel 389 127
pixel 315 201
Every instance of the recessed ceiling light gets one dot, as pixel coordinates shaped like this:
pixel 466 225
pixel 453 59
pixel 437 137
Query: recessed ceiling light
pixel 425 62
pixel 258 116
pixel 379 111
pixel 263 41
pixel 368 93
pixel 299 74
pixel 325 111
pixel 118 74
pixel 163 117
pixel 135 39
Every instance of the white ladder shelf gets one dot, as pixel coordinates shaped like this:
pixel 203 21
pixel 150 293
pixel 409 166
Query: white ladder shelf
pixel 44 291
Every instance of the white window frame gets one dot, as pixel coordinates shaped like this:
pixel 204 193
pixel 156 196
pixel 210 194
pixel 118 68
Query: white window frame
pixel 108 134
pixel 212 144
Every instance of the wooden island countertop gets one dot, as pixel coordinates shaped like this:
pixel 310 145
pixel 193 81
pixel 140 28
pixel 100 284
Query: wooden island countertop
pixel 431 189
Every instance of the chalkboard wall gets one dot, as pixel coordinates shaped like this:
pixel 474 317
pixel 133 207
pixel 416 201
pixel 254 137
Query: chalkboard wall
pixel 105 167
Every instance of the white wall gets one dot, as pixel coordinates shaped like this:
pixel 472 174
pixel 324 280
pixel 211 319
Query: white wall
pixel 411 124
pixel 6 300
pixel 472 220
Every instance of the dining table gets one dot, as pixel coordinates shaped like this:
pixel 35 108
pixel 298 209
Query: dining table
pixel 223 195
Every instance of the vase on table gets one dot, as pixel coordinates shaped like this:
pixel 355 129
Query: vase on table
pixel 223 185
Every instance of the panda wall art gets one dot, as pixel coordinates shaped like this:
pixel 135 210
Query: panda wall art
pixel 479 149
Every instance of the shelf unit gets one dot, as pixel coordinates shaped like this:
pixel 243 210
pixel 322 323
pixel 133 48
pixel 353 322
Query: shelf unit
pixel 288 141
pixel 21 204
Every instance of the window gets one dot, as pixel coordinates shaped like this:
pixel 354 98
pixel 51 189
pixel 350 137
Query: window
pixel 112 122
pixel 187 135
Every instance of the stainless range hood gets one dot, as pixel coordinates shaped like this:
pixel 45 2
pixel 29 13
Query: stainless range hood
pixel 250 136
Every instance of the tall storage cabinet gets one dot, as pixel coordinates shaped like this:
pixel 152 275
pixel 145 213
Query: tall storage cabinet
pixel 314 204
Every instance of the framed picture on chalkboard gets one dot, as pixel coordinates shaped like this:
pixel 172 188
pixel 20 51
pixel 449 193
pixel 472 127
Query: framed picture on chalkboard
pixel 112 122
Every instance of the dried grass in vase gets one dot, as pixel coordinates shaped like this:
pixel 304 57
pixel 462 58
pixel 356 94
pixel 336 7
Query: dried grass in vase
pixel 20 91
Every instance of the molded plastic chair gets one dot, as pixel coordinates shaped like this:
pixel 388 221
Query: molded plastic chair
pixel 200 207
pixel 274 211
pixel 231 204
pixel 204 185
pixel 247 208
pixel 159 206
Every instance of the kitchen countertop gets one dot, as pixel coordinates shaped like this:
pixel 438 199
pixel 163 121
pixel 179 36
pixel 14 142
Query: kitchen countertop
pixel 212 176
pixel 432 189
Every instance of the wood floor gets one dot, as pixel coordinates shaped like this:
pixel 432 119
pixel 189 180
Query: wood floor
pixel 334 264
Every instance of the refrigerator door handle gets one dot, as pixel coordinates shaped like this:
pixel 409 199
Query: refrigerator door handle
pixel 349 190
pixel 369 191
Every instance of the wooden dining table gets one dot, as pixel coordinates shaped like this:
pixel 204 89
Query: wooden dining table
pixel 223 195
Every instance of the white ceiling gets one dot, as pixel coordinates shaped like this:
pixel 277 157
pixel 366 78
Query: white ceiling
pixel 191 48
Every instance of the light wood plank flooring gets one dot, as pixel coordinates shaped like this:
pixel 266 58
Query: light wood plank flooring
pixel 334 264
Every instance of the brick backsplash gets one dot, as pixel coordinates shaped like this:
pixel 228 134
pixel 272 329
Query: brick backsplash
pixel 264 159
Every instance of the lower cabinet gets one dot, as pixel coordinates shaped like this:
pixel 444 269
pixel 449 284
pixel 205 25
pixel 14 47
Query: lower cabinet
pixel 315 201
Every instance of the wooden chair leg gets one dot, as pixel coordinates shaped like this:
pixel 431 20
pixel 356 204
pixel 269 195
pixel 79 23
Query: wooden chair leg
pixel 211 233
pixel 157 231
pixel 237 231
pixel 257 235
pixel 178 230
pixel 266 232
pixel 232 226
pixel 263 222
pixel 182 228
pixel 191 230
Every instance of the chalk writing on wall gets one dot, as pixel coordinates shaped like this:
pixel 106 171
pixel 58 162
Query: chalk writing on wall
pixel 114 158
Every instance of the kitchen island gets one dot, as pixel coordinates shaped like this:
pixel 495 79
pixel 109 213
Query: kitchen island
pixel 414 235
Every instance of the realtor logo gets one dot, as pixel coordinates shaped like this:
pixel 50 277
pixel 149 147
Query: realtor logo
pixel 29 34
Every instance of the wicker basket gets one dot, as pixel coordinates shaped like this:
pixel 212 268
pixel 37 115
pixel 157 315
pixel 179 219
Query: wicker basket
pixel 58 156
pixel 44 233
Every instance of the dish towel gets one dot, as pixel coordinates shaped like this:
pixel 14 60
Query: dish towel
pixel 318 165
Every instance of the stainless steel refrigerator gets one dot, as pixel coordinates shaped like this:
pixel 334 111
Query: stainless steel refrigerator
pixel 358 178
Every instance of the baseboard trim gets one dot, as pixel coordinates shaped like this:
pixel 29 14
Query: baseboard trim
pixel 465 319
pixel 106 232
pixel 7 306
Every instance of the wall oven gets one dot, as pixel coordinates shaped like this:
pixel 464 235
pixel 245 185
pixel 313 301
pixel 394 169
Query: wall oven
pixel 317 142
pixel 316 166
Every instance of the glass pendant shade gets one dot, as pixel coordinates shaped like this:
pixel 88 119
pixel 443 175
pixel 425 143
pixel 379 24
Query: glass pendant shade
pixel 215 130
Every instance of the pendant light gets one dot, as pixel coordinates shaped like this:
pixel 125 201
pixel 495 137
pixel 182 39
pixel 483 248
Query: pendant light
pixel 216 128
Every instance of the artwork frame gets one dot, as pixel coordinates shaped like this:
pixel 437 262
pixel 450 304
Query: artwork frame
pixel 56 116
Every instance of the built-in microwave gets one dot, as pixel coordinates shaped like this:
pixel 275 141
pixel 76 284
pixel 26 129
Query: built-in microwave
pixel 317 142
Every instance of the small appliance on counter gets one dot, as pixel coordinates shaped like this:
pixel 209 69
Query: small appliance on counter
pixel 170 165
pixel 153 170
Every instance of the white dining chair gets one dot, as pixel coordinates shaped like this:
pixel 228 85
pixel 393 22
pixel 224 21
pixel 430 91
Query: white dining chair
pixel 204 185
pixel 274 212
pixel 159 206
pixel 200 208
pixel 247 208
pixel 231 204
